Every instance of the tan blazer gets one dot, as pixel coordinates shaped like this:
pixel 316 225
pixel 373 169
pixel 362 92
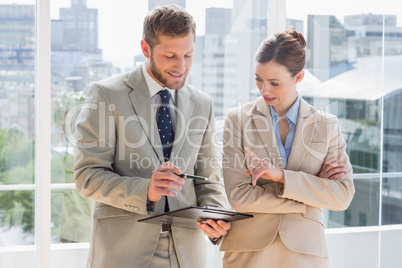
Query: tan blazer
pixel 119 148
pixel 293 209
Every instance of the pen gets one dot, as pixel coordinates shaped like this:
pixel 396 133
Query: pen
pixel 187 176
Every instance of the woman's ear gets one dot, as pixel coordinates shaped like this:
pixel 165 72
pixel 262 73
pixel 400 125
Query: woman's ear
pixel 146 49
pixel 299 76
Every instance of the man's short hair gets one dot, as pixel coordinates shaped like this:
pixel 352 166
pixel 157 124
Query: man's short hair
pixel 169 20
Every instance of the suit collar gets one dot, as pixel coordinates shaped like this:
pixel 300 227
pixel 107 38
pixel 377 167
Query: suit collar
pixel 303 136
pixel 261 117
pixel 184 112
pixel 304 132
pixel 292 114
pixel 262 107
pixel 141 101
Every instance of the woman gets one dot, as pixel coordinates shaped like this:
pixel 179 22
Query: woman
pixel 283 161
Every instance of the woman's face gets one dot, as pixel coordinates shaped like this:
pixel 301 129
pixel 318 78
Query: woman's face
pixel 276 84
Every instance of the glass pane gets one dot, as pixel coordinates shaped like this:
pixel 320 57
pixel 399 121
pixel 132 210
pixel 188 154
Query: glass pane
pixel 17 124
pixel 344 77
pixel 17 218
pixel 392 141
pixel 17 52
pixel 363 211
pixel 392 200
pixel 76 61
pixel 70 217
pixel 354 73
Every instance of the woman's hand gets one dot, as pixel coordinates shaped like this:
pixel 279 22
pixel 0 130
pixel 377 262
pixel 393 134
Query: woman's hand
pixel 332 170
pixel 260 168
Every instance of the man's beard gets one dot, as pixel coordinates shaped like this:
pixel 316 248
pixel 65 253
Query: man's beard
pixel 159 76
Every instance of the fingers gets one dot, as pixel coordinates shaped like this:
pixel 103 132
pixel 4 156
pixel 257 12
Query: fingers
pixel 256 175
pixel 159 192
pixel 328 165
pixel 214 228
pixel 260 168
pixel 168 184
pixel 164 182
pixel 164 172
pixel 337 176
pixel 257 168
pixel 163 177
pixel 249 152
pixel 332 163
pixel 168 166
pixel 336 173
pixel 332 170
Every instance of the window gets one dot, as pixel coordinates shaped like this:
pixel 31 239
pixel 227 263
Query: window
pixel 352 73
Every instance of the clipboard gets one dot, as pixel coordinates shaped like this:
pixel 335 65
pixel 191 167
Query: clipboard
pixel 185 217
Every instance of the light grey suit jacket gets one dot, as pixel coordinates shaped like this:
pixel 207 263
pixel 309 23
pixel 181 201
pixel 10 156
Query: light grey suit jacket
pixel 117 151
pixel 293 209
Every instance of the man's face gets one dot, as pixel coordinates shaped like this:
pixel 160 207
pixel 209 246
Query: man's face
pixel 171 60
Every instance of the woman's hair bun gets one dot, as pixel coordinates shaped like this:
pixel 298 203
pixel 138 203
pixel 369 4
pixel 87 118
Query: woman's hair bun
pixel 298 35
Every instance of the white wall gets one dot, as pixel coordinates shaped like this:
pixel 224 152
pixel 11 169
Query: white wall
pixel 356 248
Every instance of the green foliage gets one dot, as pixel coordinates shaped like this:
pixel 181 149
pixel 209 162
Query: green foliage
pixel 18 207
pixel 70 213
pixel 61 105
pixel 62 169
pixel 16 167
pixel 15 150
pixel 70 216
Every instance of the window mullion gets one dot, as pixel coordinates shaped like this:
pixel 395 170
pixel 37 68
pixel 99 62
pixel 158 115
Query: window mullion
pixel 42 135
pixel 276 16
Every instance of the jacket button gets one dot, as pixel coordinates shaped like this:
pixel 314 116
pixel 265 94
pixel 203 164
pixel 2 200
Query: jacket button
pixel 135 209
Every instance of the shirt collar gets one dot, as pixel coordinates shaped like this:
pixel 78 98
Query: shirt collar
pixel 292 114
pixel 153 86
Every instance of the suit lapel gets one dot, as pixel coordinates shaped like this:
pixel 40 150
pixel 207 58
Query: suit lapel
pixel 263 122
pixel 303 136
pixel 184 111
pixel 141 101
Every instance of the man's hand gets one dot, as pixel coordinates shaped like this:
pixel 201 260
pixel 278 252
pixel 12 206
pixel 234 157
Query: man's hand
pixel 332 170
pixel 164 182
pixel 213 228
pixel 260 168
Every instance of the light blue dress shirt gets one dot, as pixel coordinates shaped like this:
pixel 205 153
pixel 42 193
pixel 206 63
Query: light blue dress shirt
pixel 291 117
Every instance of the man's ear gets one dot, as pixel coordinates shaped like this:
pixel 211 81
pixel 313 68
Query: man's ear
pixel 299 77
pixel 146 49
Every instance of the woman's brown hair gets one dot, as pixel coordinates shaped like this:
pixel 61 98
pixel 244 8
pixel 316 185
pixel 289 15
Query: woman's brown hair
pixel 286 48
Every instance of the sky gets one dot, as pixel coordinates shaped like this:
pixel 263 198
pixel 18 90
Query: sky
pixel 120 29
pixel 120 21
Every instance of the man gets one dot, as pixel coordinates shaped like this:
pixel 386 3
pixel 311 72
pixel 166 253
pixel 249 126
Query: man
pixel 136 132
